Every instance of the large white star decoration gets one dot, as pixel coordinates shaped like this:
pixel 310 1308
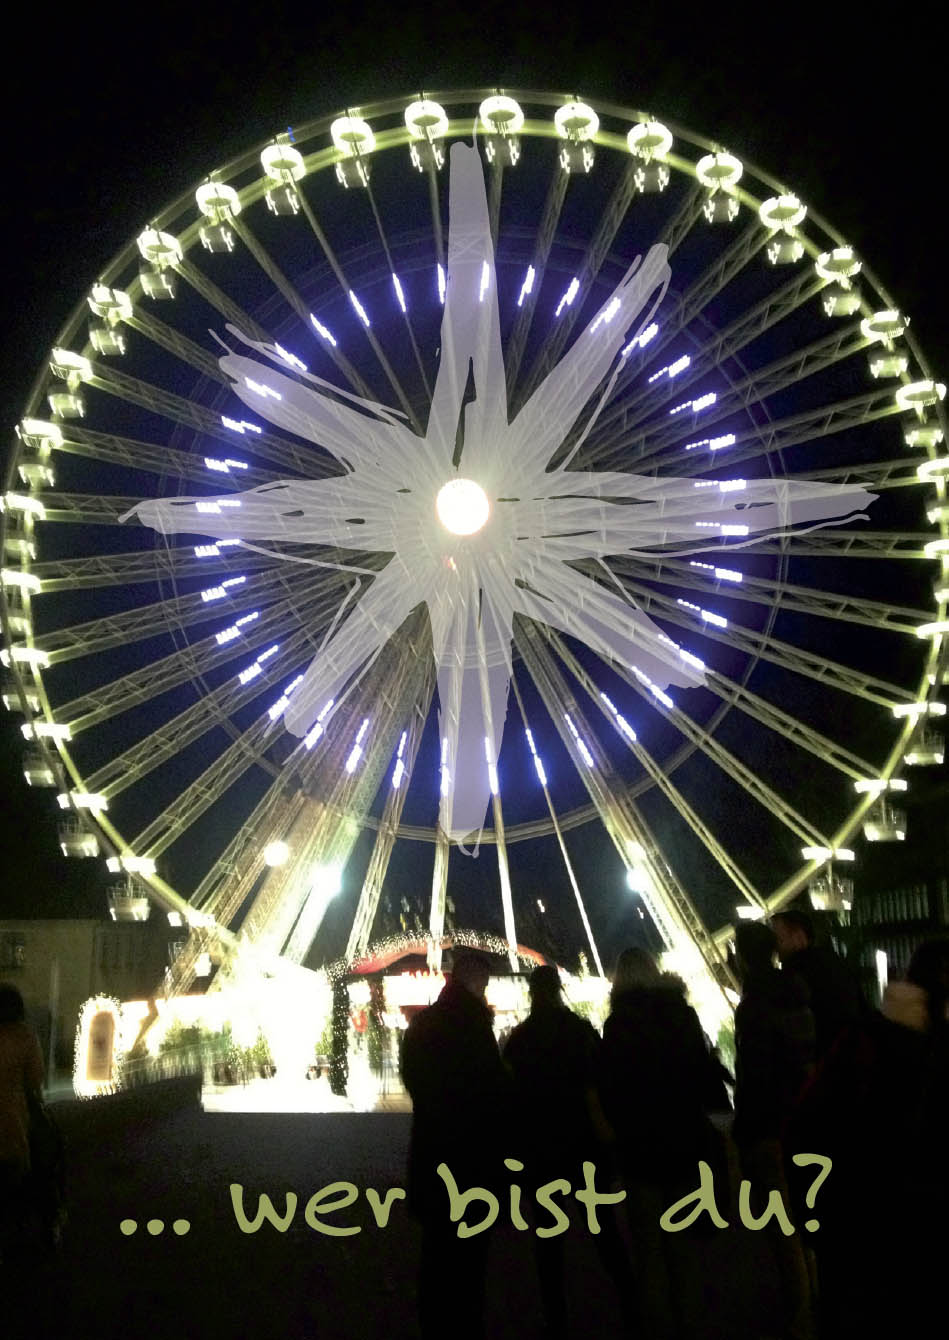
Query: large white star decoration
pixel 491 536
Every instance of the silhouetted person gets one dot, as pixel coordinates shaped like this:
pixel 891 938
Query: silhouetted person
pixel 834 995
pixel 553 1059
pixel 879 1107
pixel 21 1075
pixel 774 1059
pixel 461 1098
pixel 654 1081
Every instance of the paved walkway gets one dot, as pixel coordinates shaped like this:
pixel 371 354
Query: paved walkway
pixel 216 1281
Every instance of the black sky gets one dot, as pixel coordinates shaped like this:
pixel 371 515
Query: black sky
pixel 108 117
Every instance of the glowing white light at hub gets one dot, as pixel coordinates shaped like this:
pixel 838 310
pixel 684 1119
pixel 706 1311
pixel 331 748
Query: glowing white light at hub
pixel 573 288
pixel 322 331
pixel 398 772
pixel 528 285
pixel 462 506
pixel 441 284
pixel 291 358
pixel 276 854
pixel 581 744
pixel 537 763
pixel 359 309
pixel 400 296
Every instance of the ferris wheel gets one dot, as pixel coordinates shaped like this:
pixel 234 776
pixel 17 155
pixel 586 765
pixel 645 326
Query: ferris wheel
pixel 461 472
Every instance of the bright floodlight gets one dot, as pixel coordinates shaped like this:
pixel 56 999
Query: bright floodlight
pixel 276 853
pixel 462 506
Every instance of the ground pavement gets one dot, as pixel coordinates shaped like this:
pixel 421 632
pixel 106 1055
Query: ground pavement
pixel 216 1281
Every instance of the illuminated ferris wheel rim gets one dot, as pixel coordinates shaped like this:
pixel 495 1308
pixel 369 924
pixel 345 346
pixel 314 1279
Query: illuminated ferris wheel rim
pixel 327 157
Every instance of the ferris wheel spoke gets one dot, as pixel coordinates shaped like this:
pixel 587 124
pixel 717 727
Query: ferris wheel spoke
pixel 141 565
pixel 719 347
pixel 266 445
pixel 840 543
pixel 384 844
pixel 517 341
pixel 174 822
pixel 348 291
pixel 142 685
pixel 147 621
pixel 761 591
pixel 664 783
pixel 610 220
pixel 653 439
pixel 215 708
pixel 173 342
pixel 220 301
pixel 876 475
pixel 704 740
pixel 405 315
pixel 671 908
pixel 779 653
pixel 795 430
pixel 84 509
pixel 153 459
pixel 691 303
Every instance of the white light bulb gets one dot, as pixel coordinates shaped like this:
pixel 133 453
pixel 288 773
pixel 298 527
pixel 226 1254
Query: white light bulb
pixel 276 853
pixel 462 506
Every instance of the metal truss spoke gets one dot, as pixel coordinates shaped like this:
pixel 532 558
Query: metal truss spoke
pixel 266 445
pixel 219 300
pixel 896 474
pixel 771 649
pixel 374 343
pixel 686 307
pixel 150 457
pixel 790 370
pixel 721 345
pixel 85 509
pixel 142 565
pixel 149 681
pixel 610 220
pixel 664 783
pixel 405 316
pixel 173 342
pixel 214 709
pixel 838 543
pixel 514 353
pixel 795 599
pixel 146 621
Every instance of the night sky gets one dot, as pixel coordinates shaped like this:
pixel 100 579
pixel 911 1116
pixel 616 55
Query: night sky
pixel 104 126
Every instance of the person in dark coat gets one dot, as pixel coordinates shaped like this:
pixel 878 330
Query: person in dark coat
pixel 655 1069
pixel 774 1060
pixel 834 994
pixel 553 1058
pixel 461 1103
pixel 878 1106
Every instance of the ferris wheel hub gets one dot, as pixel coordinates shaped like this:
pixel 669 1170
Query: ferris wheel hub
pixel 462 506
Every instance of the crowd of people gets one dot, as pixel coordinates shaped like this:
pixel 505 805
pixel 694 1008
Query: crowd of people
pixel 649 1102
